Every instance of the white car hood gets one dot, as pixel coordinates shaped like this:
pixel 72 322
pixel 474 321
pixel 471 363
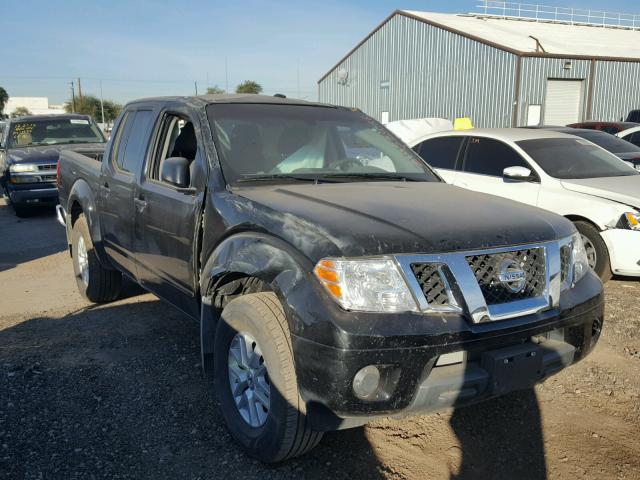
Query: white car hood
pixel 618 189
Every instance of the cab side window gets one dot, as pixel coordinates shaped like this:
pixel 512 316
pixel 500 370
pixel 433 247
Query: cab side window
pixel 176 138
pixel 441 152
pixel 486 156
pixel 633 138
pixel 130 144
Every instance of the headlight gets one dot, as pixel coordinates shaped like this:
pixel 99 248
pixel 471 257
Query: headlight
pixel 630 220
pixel 23 167
pixel 368 285
pixel 579 257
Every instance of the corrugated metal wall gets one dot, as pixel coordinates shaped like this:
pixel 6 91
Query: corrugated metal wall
pixel 534 75
pixel 616 90
pixel 412 70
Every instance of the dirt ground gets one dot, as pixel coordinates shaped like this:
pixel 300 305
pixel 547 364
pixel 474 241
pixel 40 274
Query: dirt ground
pixel 116 391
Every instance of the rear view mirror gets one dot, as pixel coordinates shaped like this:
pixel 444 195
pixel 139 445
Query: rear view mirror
pixel 517 174
pixel 175 171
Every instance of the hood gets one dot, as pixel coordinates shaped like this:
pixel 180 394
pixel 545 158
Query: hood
pixel 618 189
pixel 49 153
pixel 376 218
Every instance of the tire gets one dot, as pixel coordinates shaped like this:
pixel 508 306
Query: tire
pixel 95 283
pixel 20 211
pixel 283 431
pixel 595 247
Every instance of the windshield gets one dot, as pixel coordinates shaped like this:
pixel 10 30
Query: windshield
pixel 53 131
pixel 568 158
pixel 607 141
pixel 292 142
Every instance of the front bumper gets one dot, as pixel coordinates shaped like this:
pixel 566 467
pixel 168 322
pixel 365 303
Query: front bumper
pixel 624 251
pixel 32 194
pixel 413 381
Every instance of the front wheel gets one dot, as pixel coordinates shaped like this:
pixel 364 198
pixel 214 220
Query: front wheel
pixel 255 380
pixel 597 252
pixel 95 283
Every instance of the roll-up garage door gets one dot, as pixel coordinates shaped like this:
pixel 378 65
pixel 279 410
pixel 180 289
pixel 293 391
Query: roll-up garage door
pixel 563 103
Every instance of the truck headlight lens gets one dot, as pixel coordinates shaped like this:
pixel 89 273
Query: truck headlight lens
pixel 23 167
pixel 579 255
pixel 367 285
pixel 631 220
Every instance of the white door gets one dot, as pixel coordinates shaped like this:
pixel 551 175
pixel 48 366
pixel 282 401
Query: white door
pixel 482 168
pixel 563 102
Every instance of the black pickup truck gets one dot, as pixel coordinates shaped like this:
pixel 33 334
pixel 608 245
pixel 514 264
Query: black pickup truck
pixel 29 150
pixel 335 277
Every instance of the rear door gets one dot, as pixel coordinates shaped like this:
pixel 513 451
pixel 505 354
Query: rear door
pixel 442 154
pixel 484 161
pixel 166 216
pixel 118 184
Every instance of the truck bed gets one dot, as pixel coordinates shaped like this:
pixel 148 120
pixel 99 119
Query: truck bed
pixel 75 166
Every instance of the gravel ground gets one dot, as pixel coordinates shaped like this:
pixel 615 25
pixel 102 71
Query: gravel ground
pixel 116 391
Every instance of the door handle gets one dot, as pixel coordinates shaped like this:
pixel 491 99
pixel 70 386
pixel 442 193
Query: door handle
pixel 140 203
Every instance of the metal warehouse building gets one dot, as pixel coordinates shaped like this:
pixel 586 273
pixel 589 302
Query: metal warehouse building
pixel 500 71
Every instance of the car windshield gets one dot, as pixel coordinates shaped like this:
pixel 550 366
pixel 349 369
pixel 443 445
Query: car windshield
pixel 278 143
pixel 52 131
pixel 607 141
pixel 574 158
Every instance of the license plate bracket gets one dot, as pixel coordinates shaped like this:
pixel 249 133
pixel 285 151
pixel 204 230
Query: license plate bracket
pixel 513 368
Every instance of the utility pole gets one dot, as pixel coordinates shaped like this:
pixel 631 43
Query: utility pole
pixel 298 77
pixel 196 84
pixel 79 93
pixel 73 98
pixel 102 106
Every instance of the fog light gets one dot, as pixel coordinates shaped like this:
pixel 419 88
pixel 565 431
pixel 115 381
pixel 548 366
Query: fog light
pixel 366 382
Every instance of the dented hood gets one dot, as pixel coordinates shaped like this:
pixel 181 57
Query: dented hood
pixel 376 218
pixel 618 189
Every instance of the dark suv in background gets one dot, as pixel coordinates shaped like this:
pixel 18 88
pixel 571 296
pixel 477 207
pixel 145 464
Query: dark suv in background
pixel 29 150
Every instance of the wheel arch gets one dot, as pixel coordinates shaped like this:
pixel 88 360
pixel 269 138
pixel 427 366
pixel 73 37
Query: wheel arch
pixel 81 201
pixel 246 262
pixel 580 218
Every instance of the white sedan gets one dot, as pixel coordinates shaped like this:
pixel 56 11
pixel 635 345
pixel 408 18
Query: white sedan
pixel 565 174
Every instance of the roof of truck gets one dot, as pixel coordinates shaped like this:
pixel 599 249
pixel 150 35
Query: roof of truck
pixel 48 117
pixel 202 100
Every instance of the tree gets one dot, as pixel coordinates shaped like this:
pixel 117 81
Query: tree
pixel 90 105
pixel 249 86
pixel 20 112
pixel 4 97
pixel 215 90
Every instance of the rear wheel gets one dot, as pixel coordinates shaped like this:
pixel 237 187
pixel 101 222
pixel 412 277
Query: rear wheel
pixel 95 283
pixel 21 211
pixel 597 252
pixel 256 382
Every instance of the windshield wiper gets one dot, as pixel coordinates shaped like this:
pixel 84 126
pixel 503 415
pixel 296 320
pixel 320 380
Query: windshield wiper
pixel 374 176
pixel 266 178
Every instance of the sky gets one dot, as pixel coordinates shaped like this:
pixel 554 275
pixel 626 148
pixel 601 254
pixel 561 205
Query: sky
pixel 144 48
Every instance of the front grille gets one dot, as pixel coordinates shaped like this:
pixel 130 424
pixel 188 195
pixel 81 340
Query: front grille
pixel 487 268
pixel 48 166
pixel 431 283
pixel 565 262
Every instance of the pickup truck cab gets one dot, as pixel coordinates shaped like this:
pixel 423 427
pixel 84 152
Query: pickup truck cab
pixel 561 173
pixel 29 150
pixel 336 278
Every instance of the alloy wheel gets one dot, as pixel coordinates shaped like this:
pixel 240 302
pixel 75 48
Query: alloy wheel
pixel 249 379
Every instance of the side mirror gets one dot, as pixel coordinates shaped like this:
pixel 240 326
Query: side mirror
pixel 175 171
pixel 517 174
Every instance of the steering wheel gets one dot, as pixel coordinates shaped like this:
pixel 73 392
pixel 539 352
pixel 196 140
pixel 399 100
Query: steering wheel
pixel 345 164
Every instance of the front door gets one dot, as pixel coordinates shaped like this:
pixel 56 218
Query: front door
pixel 482 168
pixel 166 216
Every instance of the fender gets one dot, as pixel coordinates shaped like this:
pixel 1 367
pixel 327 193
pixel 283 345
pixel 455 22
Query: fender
pixel 254 254
pixel 82 194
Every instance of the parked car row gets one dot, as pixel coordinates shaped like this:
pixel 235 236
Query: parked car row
pixel 336 277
